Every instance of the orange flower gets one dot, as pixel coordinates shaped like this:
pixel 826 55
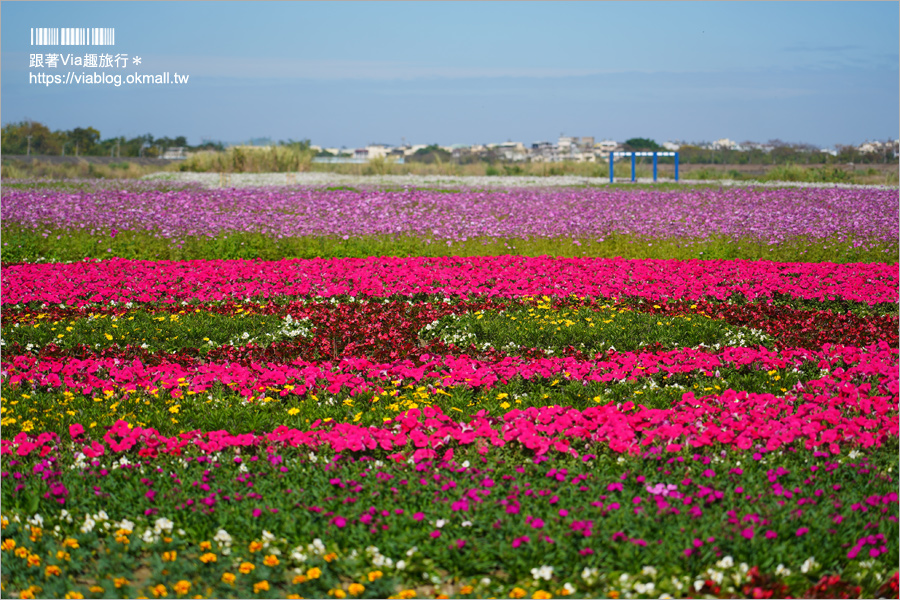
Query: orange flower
pixel 314 573
pixel 261 586
pixel 337 593
pixel 541 595
pixel 373 575
pixel 182 587
pixel 356 589
pixel 22 552
pixel 8 544
pixel 466 589
pixel 74 596
pixel 299 579
pixel 246 567
pixel 169 556
pixel 228 577
pixel 62 555
pixel 70 543
pixel 330 557
pixel 613 594
pixel 405 594
pixel 51 570
pixel 517 592
pixel 33 560
pixel 157 590
pixel 208 558
pixel 271 560
pixel 205 546
pixel 26 593
pixel 255 546
pixel 120 581
pixel 294 597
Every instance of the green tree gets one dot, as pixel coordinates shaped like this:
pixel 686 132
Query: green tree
pixel 85 140
pixel 43 141
pixel 641 144
pixel 431 154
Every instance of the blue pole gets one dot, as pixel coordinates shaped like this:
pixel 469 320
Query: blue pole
pixel 654 167
pixel 632 167
pixel 676 166
pixel 611 158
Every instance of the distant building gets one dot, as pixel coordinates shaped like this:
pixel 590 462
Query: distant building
pixel 604 147
pixel 176 153
pixel 724 144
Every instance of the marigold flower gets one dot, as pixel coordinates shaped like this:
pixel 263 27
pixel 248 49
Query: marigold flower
pixel 74 596
pixel 8 544
pixel 612 594
pixel 62 555
pixel 21 552
pixel 255 546
pixel 466 589
pixel 406 594
pixel 182 587
pixel 261 586
pixel 208 558
pixel 299 579
pixel 228 577
pixel 356 589
pixel 373 575
pixel 517 592
pixel 33 560
pixel 205 546
pixel 120 581
pixel 27 593
pixel 294 596
pixel 169 556
pixel 330 557
pixel 51 570
pixel 271 560
pixel 246 567
pixel 314 573
pixel 541 594
pixel 70 543
pixel 337 593
pixel 157 590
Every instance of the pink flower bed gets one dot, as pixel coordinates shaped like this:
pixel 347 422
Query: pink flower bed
pixel 122 280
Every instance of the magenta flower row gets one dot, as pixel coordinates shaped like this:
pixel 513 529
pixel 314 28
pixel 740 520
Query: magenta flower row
pixel 122 280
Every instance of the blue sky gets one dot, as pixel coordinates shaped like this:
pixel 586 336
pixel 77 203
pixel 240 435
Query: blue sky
pixel 352 73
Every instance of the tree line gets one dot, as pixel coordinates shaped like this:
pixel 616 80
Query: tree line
pixel 32 137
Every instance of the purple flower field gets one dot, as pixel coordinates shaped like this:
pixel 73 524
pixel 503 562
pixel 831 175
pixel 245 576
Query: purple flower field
pixel 768 216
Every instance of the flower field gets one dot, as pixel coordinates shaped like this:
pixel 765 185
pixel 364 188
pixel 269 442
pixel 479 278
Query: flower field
pixel 442 425
pixel 159 220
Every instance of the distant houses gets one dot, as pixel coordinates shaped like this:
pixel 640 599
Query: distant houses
pixel 565 148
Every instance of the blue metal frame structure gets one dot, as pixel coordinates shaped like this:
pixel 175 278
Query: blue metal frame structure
pixel 633 155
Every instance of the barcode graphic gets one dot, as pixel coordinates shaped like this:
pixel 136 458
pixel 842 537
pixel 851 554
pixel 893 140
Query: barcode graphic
pixel 73 36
